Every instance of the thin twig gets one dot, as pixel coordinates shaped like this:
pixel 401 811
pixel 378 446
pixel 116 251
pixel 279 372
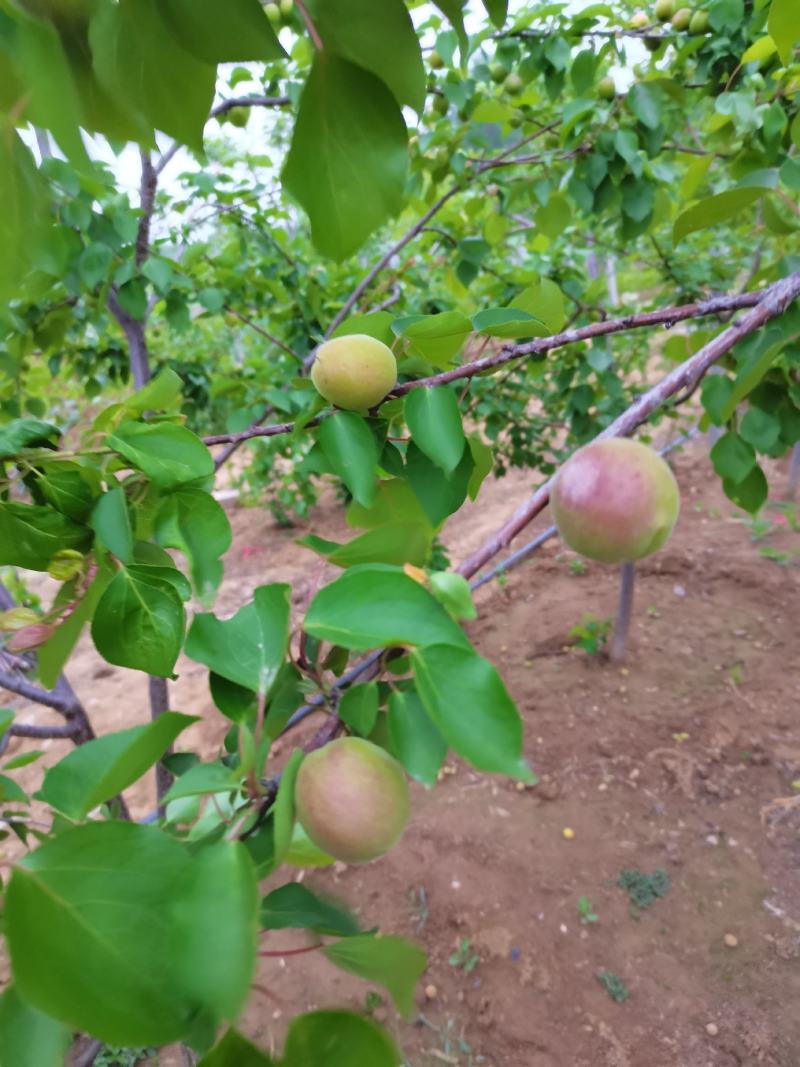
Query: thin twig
pixel 264 333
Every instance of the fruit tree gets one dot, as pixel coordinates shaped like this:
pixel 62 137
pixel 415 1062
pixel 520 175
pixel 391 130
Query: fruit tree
pixel 393 246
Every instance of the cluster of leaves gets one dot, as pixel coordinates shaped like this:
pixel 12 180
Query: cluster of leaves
pixel 644 889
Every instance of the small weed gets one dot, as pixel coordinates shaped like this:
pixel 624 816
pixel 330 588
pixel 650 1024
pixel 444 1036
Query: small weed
pixel 112 1056
pixel 736 674
pixel 577 567
pixel 591 634
pixel 372 1001
pixel 502 579
pixel 586 912
pixel 653 612
pixel 613 985
pixel 783 559
pixel 464 959
pixel 644 889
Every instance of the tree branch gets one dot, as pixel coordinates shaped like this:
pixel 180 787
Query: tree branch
pixel 264 333
pixel 147 200
pixel 21 729
pixel 248 101
pixel 664 317
pixel 771 303
pixel 159 703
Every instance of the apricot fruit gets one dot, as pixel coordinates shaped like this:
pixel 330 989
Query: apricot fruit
pixel 352 799
pixel 354 372
pixel 640 20
pixel 606 89
pixel 699 23
pixel 615 500
pixel 681 19
pixel 664 10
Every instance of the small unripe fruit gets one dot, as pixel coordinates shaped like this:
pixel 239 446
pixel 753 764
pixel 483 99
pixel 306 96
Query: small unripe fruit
pixel 664 10
pixel 699 23
pixel 606 89
pixel 440 105
pixel 615 500
pixel 756 81
pixel 681 19
pixel 238 116
pixel 354 372
pixel 498 72
pixel 640 20
pixel 513 84
pixel 652 44
pixel 435 61
pixel 352 799
pixel 287 7
pixel 29 637
pixel 273 13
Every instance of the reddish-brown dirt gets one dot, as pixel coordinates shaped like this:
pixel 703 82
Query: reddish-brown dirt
pixel 683 759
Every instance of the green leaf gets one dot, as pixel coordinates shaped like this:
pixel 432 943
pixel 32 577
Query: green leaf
pixel 434 422
pixel 483 458
pixel 726 14
pixel 168 454
pixel 12 791
pixel 236 1051
pixel 380 39
pixel 508 323
pixel 294 906
pixel 453 10
pixel 732 457
pixel 160 393
pixel 358 708
pixel 215 33
pixel 26 433
pixel 202 779
pixel 497 11
pixel 349 128
pixel 750 493
pixel 716 393
pixel 6 718
pixel 397 542
pixel 376 324
pixel 54 654
pixel 93 264
pixel 751 371
pixel 249 648
pixel 390 962
pixel 554 217
pixel 645 105
pixel 377 606
pixel 98 770
pixel 52 100
pixel 470 705
pixel 22 760
pixel 148 982
pixel 112 524
pixel 351 450
pixel 543 300
pixel 27 1037
pixel 414 739
pixel 452 590
pixel 439 494
pixel 436 338
pixel 784 27
pixel 714 209
pixel 139 620
pixel 192 521
pixel 24 232
pixel 69 488
pixel 394 502
pixel 760 429
pixel 31 535
pixel 337 1039
pixel 137 58
pixel 284 807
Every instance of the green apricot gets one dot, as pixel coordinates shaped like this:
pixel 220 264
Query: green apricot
pixel 273 13
pixel 513 84
pixel 352 799
pixel 354 372
pixel 238 116
pixel 681 19
pixel 615 500
pixel 435 61
pixel 497 72
pixel 606 89
pixel 664 10
pixel 699 23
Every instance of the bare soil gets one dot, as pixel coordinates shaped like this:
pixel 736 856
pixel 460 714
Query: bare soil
pixel 684 759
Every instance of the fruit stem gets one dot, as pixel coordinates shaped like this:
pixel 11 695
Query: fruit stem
pixel 290 951
pixel 623 619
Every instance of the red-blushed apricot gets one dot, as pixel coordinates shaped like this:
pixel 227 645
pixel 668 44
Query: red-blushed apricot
pixel 354 372
pixel 615 500
pixel 352 799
